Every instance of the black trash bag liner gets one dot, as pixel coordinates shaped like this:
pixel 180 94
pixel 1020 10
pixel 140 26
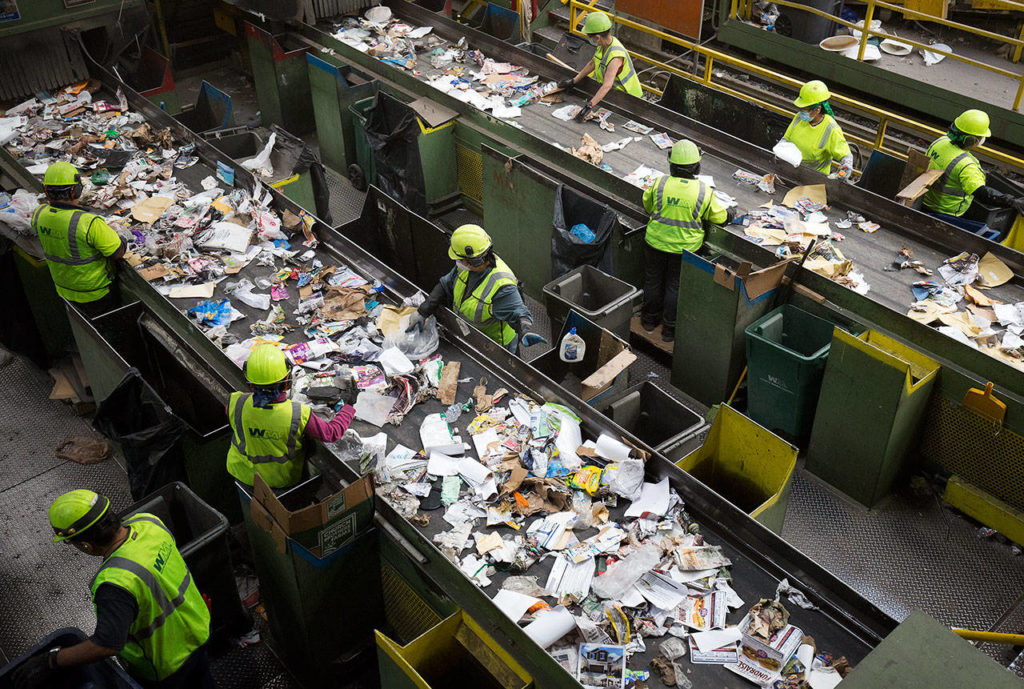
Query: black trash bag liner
pixel 392 131
pixel 569 251
pixel 321 192
pixel 149 433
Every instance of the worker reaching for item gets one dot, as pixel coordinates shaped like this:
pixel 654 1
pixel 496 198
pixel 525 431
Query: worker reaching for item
pixel 149 612
pixel 482 289
pixel 681 208
pixel 79 246
pixel 267 428
pixel 815 132
pixel 611 65
pixel 951 194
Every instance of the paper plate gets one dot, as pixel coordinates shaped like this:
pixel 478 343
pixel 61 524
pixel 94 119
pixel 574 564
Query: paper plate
pixel 837 44
pixel 894 47
pixel 931 58
pixel 871 52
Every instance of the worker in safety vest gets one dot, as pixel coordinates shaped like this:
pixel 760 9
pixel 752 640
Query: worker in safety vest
pixel 79 246
pixel 815 132
pixel 267 428
pixel 149 612
pixel 611 65
pixel 951 194
pixel 482 289
pixel 681 207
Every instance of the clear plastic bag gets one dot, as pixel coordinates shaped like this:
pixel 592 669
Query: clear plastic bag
pixel 418 343
pixel 17 211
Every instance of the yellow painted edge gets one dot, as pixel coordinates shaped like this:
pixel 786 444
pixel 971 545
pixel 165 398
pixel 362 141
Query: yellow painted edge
pixel 32 260
pixel 429 130
pixel 499 651
pixel 284 182
pixel 393 651
pixel 987 509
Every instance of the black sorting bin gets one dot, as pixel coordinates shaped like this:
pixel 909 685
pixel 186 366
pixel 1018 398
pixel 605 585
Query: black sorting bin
pixel 655 417
pixel 103 675
pixel 201 533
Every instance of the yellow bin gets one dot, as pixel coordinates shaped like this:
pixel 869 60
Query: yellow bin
pixel 746 464
pixel 455 653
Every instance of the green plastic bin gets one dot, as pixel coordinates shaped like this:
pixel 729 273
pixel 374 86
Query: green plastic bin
pixel 365 172
pixel 322 610
pixel 786 353
pixel 746 464
pixel 873 399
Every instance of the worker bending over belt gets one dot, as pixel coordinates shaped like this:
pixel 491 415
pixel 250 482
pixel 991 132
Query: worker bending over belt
pixel 611 65
pixel 815 132
pixel 267 429
pixel 79 246
pixel 482 289
pixel 149 612
pixel 951 194
pixel 681 207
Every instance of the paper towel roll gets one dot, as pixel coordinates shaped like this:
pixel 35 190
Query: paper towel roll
pixel 610 448
pixel 474 472
pixel 551 626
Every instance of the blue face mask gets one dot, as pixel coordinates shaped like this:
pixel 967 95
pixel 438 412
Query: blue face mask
pixel 804 116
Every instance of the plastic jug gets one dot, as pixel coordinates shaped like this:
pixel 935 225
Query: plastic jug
pixel 572 348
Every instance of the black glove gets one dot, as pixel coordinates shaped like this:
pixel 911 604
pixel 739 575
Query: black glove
pixel 415 322
pixel 582 115
pixel 1018 204
pixel 987 194
pixel 566 84
pixel 34 673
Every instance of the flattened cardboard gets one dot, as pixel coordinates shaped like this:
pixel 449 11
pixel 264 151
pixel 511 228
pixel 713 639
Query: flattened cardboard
pixel 755 283
pixel 601 379
pixel 992 272
pixel 447 389
pixel 434 114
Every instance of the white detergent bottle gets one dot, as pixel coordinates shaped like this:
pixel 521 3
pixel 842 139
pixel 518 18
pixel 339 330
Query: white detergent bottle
pixel 573 347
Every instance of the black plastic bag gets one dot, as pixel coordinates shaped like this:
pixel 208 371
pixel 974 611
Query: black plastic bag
pixel 569 251
pixel 392 131
pixel 149 433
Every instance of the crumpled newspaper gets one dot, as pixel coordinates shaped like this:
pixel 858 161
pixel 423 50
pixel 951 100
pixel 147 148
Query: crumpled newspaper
pixel 589 150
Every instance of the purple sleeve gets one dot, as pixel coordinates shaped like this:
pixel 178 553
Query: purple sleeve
pixel 329 431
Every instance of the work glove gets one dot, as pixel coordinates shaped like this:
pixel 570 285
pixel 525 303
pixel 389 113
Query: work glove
pixel 566 84
pixel 415 322
pixel 1018 204
pixel 845 172
pixel 34 673
pixel 531 339
pixel 582 115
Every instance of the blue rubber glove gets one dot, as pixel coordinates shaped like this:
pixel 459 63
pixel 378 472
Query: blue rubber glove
pixel 531 339
pixel 415 322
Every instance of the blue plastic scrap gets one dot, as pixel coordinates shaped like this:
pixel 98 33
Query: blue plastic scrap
pixel 583 233
pixel 212 312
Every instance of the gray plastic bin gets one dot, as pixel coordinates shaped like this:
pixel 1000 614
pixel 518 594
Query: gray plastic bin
pixel 655 417
pixel 594 294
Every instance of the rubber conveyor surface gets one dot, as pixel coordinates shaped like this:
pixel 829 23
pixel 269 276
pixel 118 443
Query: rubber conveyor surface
pixel 871 253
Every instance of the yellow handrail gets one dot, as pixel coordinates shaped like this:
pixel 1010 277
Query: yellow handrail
pixel 883 117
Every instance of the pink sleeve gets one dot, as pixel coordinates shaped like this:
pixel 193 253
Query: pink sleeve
pixel 329 431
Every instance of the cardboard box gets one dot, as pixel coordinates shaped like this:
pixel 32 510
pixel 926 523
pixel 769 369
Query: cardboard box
pixel 774 654
pixel 321 524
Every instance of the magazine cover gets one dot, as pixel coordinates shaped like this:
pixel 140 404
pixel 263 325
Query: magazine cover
pixel 602 666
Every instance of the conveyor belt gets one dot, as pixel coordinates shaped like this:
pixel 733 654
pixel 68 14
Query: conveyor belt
pixel 847 624
pixel 932 241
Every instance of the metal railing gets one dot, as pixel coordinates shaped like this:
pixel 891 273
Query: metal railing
pixel 866 32
pixel 881 117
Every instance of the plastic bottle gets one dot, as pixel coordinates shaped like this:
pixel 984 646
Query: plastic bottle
pixel 573 347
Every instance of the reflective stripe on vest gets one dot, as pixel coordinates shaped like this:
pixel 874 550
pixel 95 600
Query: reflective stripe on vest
pixel 476 307
pixel 946 187
pixel 626 76
pixel 822 144
pixel 238 438
pixel 76 258
pixel 80 272
pixel 659 197
pixel 172 620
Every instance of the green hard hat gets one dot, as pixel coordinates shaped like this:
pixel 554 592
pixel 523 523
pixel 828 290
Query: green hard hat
pixel 684 152
pixel 973 122
pixel 61 175
pixel 266 366
pixel 75 511
pixel 812 93
pixel 597 22
pixel 469 241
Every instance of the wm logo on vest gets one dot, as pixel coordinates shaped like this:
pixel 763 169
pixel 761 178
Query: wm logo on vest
pixel 161 557
pixel 673 201
pixel 265 433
